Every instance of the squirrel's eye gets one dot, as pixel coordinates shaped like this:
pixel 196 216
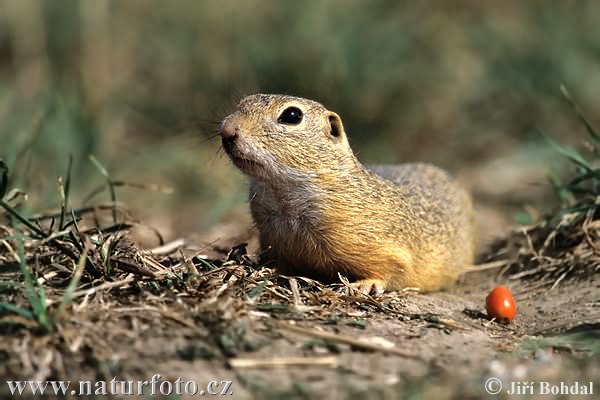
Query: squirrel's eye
pixel 290 116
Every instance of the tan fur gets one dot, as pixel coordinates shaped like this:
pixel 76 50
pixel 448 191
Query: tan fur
pixel 320 212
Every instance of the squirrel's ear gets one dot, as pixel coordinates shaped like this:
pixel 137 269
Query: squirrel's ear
pixel 335 128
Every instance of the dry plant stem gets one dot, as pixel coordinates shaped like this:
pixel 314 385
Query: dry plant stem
pixel 295 291
pixel 95 289
pixel 284 362
pixel 168 248
pixel 487 266
pixel 348 340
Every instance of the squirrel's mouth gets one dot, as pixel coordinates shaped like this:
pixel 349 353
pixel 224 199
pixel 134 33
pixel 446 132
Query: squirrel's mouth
pixel 243 163
pixel 239 158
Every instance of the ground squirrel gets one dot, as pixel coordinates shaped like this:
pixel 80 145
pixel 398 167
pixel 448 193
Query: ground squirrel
pixel 320 212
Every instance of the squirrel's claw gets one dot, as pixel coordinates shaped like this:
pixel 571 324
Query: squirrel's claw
pixel 373 287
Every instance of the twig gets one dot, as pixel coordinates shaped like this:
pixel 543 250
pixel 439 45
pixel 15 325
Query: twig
pixel 295 291
pixel 127 266
pixel 487 266
pixel 168 248
pixel 284 362
pixel 348 340
pixel 99 288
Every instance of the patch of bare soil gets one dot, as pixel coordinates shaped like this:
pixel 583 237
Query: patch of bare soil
pixel 85 303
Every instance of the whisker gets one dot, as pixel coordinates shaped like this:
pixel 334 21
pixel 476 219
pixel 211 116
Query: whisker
pixel 210 138
pixel 219 115
pixel 219 153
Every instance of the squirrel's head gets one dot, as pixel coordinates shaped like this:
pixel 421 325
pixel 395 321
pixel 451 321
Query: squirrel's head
pixel 272 136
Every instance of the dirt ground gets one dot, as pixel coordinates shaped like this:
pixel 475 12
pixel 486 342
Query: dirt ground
pixel 252 328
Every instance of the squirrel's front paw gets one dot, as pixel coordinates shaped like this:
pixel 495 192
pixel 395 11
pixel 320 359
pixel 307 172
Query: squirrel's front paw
pixel 373 287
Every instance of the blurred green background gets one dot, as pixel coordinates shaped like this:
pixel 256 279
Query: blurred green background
pixel 143 85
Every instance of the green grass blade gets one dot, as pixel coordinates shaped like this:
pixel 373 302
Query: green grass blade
pixel 64 194
pixel 590 129
pixel 564 195
pixel 3 178
pixel 73 283
pixel 571 154
pixel 77 240
pixel 35 293
pixel 7 308
pixel 207 264
pixel 594 175
pixel 99 166
pixel 22 219
pixel 110 184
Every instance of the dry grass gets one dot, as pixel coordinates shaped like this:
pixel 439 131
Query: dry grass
pixel 547 254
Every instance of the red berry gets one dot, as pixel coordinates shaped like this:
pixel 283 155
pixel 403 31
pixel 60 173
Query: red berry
pixel 500 304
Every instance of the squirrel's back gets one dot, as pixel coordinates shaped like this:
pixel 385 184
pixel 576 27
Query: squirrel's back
pixel 443 209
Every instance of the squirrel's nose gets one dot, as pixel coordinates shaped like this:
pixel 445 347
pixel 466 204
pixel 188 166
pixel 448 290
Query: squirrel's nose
pixel 228 130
